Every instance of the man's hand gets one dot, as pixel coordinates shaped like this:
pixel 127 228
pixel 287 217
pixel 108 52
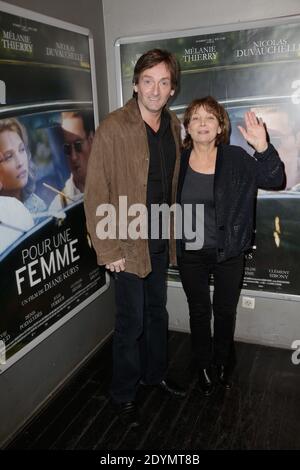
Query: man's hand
pixel 116 266
pixel 255 132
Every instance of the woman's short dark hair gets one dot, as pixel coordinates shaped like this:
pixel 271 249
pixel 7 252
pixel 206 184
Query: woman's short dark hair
pixel 155 57
pixel 211 105
pixel 13 125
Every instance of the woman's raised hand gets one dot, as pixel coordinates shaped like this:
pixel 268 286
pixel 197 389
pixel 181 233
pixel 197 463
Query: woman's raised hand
pixel 255 132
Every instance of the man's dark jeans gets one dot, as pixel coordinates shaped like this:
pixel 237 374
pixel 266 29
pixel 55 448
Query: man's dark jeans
pixel 141 329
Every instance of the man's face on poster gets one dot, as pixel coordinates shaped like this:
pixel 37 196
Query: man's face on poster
pixel 77 147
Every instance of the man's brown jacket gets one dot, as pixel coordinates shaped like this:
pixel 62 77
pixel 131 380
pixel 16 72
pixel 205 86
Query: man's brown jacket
pixel 118 166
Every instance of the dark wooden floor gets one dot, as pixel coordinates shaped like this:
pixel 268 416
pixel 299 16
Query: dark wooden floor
pixel 261 411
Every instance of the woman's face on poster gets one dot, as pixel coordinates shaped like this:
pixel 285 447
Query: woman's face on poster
pixel 13 162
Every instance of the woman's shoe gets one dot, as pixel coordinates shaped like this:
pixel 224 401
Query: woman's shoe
pixel 205 381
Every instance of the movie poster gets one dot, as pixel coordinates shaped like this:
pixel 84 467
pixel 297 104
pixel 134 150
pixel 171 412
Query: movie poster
pixel 254 69
pixel 48 269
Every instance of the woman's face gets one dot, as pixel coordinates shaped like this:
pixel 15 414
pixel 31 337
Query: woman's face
pixel 13 162
pixel 203 126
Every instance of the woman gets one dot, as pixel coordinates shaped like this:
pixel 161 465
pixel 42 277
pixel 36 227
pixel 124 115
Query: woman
pixel 224 179
pixel 16 167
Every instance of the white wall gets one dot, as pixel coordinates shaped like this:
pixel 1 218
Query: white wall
pixel 272 322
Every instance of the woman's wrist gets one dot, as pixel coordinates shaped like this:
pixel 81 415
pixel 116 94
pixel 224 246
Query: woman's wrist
pixel 262 147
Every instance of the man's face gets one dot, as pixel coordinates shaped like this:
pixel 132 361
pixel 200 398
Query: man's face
pixel 154 89
pixel 77 147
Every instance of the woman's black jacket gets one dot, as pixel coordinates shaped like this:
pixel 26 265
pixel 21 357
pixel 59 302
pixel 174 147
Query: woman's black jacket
pixel 237 178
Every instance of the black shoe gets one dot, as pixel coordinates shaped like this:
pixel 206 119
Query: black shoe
pixel 128 414
pixel 224 376
pixel 205 381
pixel 171 388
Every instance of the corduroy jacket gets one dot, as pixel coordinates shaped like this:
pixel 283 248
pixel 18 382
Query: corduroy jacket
pixel 118 166
pixel 238 175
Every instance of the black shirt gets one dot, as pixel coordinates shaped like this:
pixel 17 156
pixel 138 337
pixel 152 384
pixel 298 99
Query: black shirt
pixel 198 188
pixel 161 168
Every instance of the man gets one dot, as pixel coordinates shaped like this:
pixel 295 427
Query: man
pixel 136 154
pixel 78 132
